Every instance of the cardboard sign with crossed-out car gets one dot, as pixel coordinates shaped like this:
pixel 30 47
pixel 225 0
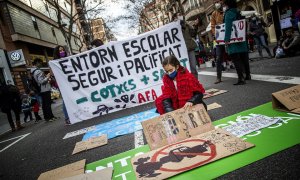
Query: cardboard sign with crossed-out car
pixel 182 140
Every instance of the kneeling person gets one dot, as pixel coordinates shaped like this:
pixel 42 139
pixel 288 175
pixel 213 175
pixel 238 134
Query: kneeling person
pixel 180 88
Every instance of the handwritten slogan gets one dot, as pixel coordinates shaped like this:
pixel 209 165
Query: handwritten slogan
pixel 117 75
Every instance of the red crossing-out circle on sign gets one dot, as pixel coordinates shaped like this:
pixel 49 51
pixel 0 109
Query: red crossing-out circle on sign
pixel 210 155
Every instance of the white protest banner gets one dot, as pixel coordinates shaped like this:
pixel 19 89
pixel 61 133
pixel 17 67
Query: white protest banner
pixel 117 75
pixel 238 32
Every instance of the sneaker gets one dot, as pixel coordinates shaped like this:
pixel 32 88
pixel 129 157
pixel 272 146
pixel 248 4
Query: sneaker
pixel 36 121
pixel 49 120
pixel 55 118
pixel 218 81
pixel 68 124
pixel 240 83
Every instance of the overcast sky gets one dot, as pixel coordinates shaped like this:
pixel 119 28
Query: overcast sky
pixel 113 10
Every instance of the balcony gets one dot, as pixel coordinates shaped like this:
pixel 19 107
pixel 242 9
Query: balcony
pixel 192 12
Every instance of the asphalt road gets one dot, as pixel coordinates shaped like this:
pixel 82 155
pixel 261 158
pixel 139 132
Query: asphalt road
pixel 44 149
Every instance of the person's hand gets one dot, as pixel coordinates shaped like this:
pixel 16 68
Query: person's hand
pixel 187 105
pixel 48 75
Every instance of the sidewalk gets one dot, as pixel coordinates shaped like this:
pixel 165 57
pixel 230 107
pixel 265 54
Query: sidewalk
pixel 5 127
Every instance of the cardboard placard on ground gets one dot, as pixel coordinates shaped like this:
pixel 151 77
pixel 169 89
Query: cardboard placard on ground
pixel 176 126
pixel 187 154
pixel 213 106
pixel 90 143
pixel 287 100
pixel 64 172
pixel 105 174
pixel 213 92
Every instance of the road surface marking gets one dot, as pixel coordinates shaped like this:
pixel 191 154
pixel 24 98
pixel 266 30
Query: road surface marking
pixel 258 77
pixel 20 138
pixel 138 138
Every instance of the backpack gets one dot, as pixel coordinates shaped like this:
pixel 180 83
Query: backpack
pixel 33 85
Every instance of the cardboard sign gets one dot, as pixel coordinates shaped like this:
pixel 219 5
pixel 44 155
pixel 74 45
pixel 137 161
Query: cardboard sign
pixel 213 92
pixel 105 174
pixel 287 100
pixel 187 154
pixel 254 123
pixel 213 106
pixel 90 143
pixel 238 32
pixel 64 172
pixel 176 126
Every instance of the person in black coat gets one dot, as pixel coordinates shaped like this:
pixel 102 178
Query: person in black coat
pixel 11 101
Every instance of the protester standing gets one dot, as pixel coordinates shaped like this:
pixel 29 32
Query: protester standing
pixel 256 28
pixel 217 19
pixel 60 52
pixel 188 34
pixel 238 52
pixel 180 88
pixel 11 101
pixel 45 89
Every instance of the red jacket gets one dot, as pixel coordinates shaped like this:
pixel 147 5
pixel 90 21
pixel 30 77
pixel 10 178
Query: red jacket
pixel 186 85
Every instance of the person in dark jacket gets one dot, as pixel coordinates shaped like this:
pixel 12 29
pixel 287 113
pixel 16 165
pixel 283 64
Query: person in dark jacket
pixel 180 88
pixel 256 29
pixel 11 101
pixel 188 33
pixel 238 52
pixel 292 42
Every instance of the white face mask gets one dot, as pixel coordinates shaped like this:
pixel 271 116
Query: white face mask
pixel 180 18
pixel 224 8
pixel 254 19
pixel 218 5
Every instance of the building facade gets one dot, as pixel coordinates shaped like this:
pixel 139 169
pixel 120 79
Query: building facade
pixel 154 15
pixel 101 31
pixel 31 27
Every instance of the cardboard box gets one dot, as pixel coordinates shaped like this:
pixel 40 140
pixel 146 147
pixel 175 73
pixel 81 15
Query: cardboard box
pixel 287 100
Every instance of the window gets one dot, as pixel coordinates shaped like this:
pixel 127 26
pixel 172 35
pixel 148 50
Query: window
pixel 53 32
pixel 27 2
pixel 36 27
pixel 41 6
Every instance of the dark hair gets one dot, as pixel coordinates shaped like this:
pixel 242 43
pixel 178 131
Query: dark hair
pixel 172 60
pixel 56 52
pixel 230 3
pixel 37 60
pixel 97 42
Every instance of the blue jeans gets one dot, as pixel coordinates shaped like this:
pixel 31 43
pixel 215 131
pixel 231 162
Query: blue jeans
pixel 261 43
pixel 65 111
